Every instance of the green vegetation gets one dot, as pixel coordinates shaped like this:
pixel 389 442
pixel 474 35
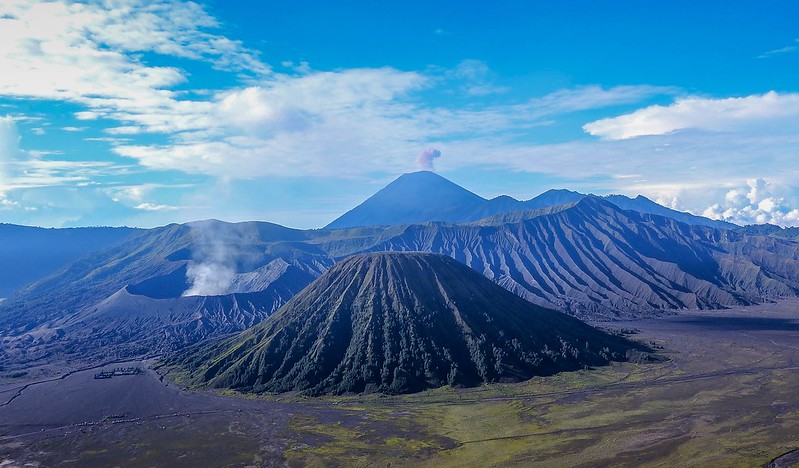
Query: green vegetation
pixel 709 405
pixel 710 422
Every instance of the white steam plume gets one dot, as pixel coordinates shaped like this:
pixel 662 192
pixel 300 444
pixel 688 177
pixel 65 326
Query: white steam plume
pixel 211 271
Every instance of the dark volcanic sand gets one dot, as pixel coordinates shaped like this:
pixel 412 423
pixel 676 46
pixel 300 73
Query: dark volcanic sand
pixel 79 398
pixel 134 419
pixel 139 420
pixel 161 425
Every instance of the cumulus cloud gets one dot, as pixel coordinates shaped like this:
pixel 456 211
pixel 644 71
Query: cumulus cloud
pixel 6 203
pixel 298 103
pixel 728 114
pixel 760 201
pixel 426 157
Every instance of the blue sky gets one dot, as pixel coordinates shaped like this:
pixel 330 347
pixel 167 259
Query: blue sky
pixel 143 113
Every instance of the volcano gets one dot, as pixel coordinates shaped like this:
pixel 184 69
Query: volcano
pixel 395 322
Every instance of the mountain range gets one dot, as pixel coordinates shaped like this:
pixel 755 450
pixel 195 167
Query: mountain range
pixel 164 288
pixel 424 196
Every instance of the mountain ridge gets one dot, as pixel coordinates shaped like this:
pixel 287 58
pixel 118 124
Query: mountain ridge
pixel 425 196
pixel 28 253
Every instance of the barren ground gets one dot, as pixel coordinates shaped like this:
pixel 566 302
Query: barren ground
pixel 726 396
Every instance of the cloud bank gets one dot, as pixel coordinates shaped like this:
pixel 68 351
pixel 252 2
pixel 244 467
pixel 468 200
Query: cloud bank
pixel 718 115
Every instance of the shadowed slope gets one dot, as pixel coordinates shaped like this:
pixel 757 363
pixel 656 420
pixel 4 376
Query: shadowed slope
pixel 399 323
pixel 29 253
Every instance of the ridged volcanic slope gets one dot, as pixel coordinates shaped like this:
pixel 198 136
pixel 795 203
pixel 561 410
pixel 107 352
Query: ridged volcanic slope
pixel 594 260
pixel 400 323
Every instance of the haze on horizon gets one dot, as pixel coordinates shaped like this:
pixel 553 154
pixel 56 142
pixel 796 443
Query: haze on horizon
pixel 142 113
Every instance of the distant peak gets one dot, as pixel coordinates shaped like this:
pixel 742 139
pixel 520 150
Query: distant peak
pixel 594 201
pixel 422 175
pixel 504 197
pixel 554 197
pixel 562 190
pixel 414 197
pixel 425 180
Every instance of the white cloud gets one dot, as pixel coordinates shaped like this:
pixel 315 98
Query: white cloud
pixel 108 139
pixel 6 203
pixel 27 174
pixel 664 159
pixel 155 207
pixel 346 122
pixel 350 122
pixel 295 103
pixel 87 53
pixel 131 193
pixel 173 28
pixel 720 115
pixel 596 97
pixel 687 170
pixel 759 201
pixel 780 51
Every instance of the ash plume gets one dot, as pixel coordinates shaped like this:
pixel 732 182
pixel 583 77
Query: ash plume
pixel 426 157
